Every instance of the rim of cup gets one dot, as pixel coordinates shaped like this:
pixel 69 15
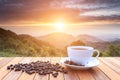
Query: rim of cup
pixel 85 47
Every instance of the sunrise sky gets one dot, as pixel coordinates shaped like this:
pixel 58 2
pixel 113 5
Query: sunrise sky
pixel 37 17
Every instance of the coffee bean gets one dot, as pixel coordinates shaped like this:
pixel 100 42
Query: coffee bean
pixel 72 63
pixel 55 74
pixel 17 69
pixel 41 73
pixel 57 64
pixel 8 67
pixel 23 70
pixel 12 67
pixel 42 68
pixel 65 71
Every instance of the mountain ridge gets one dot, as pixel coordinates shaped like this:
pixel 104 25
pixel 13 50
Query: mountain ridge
pixel 63 39
pixel 24 44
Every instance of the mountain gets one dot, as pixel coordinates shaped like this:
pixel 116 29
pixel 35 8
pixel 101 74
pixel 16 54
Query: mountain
pixel 88 38
pixel 7 33
pixel 60 40
pixel 109 37
pixel 53 44
pixel 25 45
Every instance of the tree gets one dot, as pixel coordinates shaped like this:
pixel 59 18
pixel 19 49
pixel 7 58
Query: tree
pixel 113 50
pixel 77 43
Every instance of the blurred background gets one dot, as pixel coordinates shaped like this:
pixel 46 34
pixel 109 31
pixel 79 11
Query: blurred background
pixel 48 27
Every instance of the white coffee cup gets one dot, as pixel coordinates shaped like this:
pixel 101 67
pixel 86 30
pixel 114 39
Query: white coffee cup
pixel 81 54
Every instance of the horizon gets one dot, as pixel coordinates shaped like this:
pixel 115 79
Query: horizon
pixel 104 32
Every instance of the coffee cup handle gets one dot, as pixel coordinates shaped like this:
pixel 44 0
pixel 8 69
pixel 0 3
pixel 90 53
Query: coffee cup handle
pixel 98 53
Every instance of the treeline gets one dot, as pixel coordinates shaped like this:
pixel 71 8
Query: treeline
pixel 27 46
pixel 12 44
pixel 24 45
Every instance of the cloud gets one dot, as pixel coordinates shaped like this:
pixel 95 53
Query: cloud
pixel 28 11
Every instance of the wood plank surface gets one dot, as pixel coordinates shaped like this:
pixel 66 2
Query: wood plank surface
pixel 4 61
pixel 84 75
pixel 98 74
pixel 1 58
pixel 15 75
pixel 42 77
pixel 4 71
pixel 26 76
pixel 108 69
pixel 111 64
pixel 60 76
pixel 114 61
pixel 71 74
pixel 118 58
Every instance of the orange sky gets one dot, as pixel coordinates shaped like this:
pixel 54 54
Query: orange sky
pixel 39 12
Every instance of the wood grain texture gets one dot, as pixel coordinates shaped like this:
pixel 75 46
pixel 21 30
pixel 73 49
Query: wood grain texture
pixel 60 76
pixel 4 61
pixel 1 58
pixel 42 77
pixel 114 61
pixel 109 69
pixel 111 65
pixel 84 75
pixel 118 58
pixel 26 76
pixel 4 71
pixel 71 74
pixel 15 75
pixel 109 72
pixel 98 74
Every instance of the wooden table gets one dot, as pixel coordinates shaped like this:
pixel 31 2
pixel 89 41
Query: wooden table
pixel 109 69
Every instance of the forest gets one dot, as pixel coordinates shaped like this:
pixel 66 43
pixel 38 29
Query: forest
pixel 12 44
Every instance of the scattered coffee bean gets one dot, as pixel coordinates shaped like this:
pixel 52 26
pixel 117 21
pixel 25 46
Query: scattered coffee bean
pixel 8 67
pixel 72 63
pixel 42 68
pixel 12 67
pixel 23 70
pixel 65 71
pixel 17 69
pixel 55 74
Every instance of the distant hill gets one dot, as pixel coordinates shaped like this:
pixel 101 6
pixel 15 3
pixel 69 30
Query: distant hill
pixel 110 37
pixel 60 40
pixel 7 33
pixel 88 38
pixel 53 44
pixel 103 46
pixel 25 45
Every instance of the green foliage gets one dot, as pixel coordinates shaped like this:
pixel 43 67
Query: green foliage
pixel 113 50
pixel 8 54
pixel 24 45
pixel 77 43
pixel 12 44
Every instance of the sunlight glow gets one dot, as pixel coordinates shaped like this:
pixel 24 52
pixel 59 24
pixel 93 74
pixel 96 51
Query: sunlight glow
pixel 59 25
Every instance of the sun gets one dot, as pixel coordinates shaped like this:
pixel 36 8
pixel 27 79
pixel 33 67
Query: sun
pixel 59 25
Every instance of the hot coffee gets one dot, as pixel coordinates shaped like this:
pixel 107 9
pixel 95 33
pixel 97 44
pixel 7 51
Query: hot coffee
pixel 79 49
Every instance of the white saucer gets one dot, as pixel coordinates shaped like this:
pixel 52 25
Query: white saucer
pixel 92 63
